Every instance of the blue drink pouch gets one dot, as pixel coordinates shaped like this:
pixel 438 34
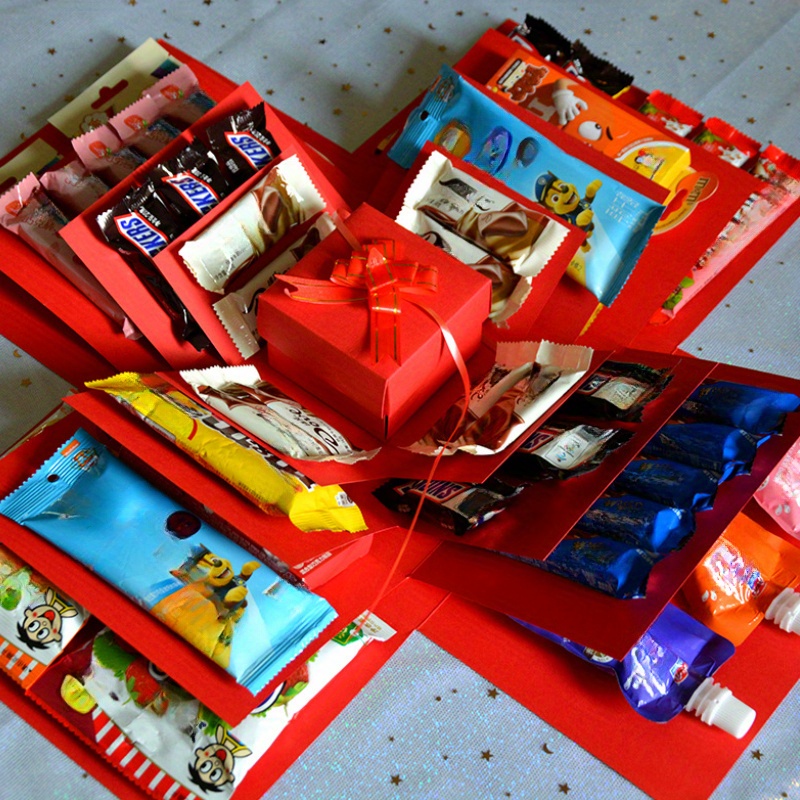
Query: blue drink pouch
pixel 607 565
pixel 233 608
pixel 751 408
pixel 640 522
pixel 472 126
pixel 722 449
pixel 669 669
pixel 669 482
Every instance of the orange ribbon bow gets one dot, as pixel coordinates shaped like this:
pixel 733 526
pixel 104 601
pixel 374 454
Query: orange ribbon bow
pixel 375 271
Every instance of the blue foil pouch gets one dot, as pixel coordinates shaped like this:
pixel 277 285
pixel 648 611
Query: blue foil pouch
pixel 640 522
pixel 664 669
pixel 607 565
pixel 469 124
pixel 669 482
pixel 751 408
pixel 232 607
pixel 722 449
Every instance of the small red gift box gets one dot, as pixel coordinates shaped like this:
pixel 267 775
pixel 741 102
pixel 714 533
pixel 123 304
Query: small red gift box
pixel 327 348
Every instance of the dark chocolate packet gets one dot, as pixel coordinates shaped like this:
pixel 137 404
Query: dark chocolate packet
pixel 617 390
pixel 242 144
pixel 560 449
pixel 139 227
pixel 457 507
pixel 191 183
pixel 602 74
pixel 549 42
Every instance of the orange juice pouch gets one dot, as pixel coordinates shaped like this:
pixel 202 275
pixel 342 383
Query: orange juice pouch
pixel 592 117
pixel 748 575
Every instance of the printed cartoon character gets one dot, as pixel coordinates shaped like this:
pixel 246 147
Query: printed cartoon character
pixel 146 685
pixel 205 610
pixel 562 198
pixel 213 765
pixel 41 624
pixel 563 102
pixel 228 591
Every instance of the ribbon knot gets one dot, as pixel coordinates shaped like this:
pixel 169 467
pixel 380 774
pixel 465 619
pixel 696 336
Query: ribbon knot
pixel 374 274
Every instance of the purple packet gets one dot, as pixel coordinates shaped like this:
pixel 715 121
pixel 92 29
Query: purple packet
pixel 669 669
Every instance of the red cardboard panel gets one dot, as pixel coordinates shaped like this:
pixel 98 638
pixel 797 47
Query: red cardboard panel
pixel 584 615
pixel 536 521
pixel 27 323
pixel 543 284
pixel 349 592
pixel 325 347
pixel 669 252
pixel 673 761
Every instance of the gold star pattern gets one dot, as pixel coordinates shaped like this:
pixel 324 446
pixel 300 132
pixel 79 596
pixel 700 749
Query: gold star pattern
pixel 17 354
pixel 25 382
pixel 391 738
pixel 396 780
pixel 654 17
pixel 756 754
pixel 442 48
pixel 131 2
pixel 459 13
pixel 346 87
pixel 337 112
pixel 387 30
pixel 711 34
pixel 492 693
pixel 196 23
pixel 486 755
pixel 445 756
pixel 751 120
pixel 52 51
pixel 563 788
pixel 207 2
pixel 587 31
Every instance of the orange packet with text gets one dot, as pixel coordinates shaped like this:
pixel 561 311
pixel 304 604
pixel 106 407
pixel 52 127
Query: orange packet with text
pixel 588 115
pixel 748 575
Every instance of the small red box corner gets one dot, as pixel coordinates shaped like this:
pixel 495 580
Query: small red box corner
pixel 325 347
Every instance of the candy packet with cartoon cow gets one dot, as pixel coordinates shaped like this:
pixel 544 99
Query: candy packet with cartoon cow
pixel 231 606
pixel 164 738
pixel 37 621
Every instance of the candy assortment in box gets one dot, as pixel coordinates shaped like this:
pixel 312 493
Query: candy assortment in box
pixel 331 397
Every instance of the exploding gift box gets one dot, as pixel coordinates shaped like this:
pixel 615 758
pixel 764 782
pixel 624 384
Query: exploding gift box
pixel 376 367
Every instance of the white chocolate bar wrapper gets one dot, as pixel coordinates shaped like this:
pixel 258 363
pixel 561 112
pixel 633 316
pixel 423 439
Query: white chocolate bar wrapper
pixel 240 394
pixel 252 225
pixel 525 381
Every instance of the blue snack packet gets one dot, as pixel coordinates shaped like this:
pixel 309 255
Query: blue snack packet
pixel 472 126
pixel 722 449
pixel 670 669
pixel 751 408
pixel 232 607
pixel 607 565
pixel 640 522
pixel 668 482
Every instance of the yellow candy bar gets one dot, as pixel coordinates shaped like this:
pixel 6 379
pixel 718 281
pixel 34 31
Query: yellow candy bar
pixel 240 461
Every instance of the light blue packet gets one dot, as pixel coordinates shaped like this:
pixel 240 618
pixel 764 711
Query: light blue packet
pixel 617 220
pixel 230 606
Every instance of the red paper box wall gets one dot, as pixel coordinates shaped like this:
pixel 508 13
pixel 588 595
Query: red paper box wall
pixel 324 347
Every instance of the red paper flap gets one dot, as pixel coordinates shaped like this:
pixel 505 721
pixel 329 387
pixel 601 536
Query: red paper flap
pixel 578 612
pixel 658 271
pixel 543 284
pixel 24 321
pixel 349 593
pixel 673 761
